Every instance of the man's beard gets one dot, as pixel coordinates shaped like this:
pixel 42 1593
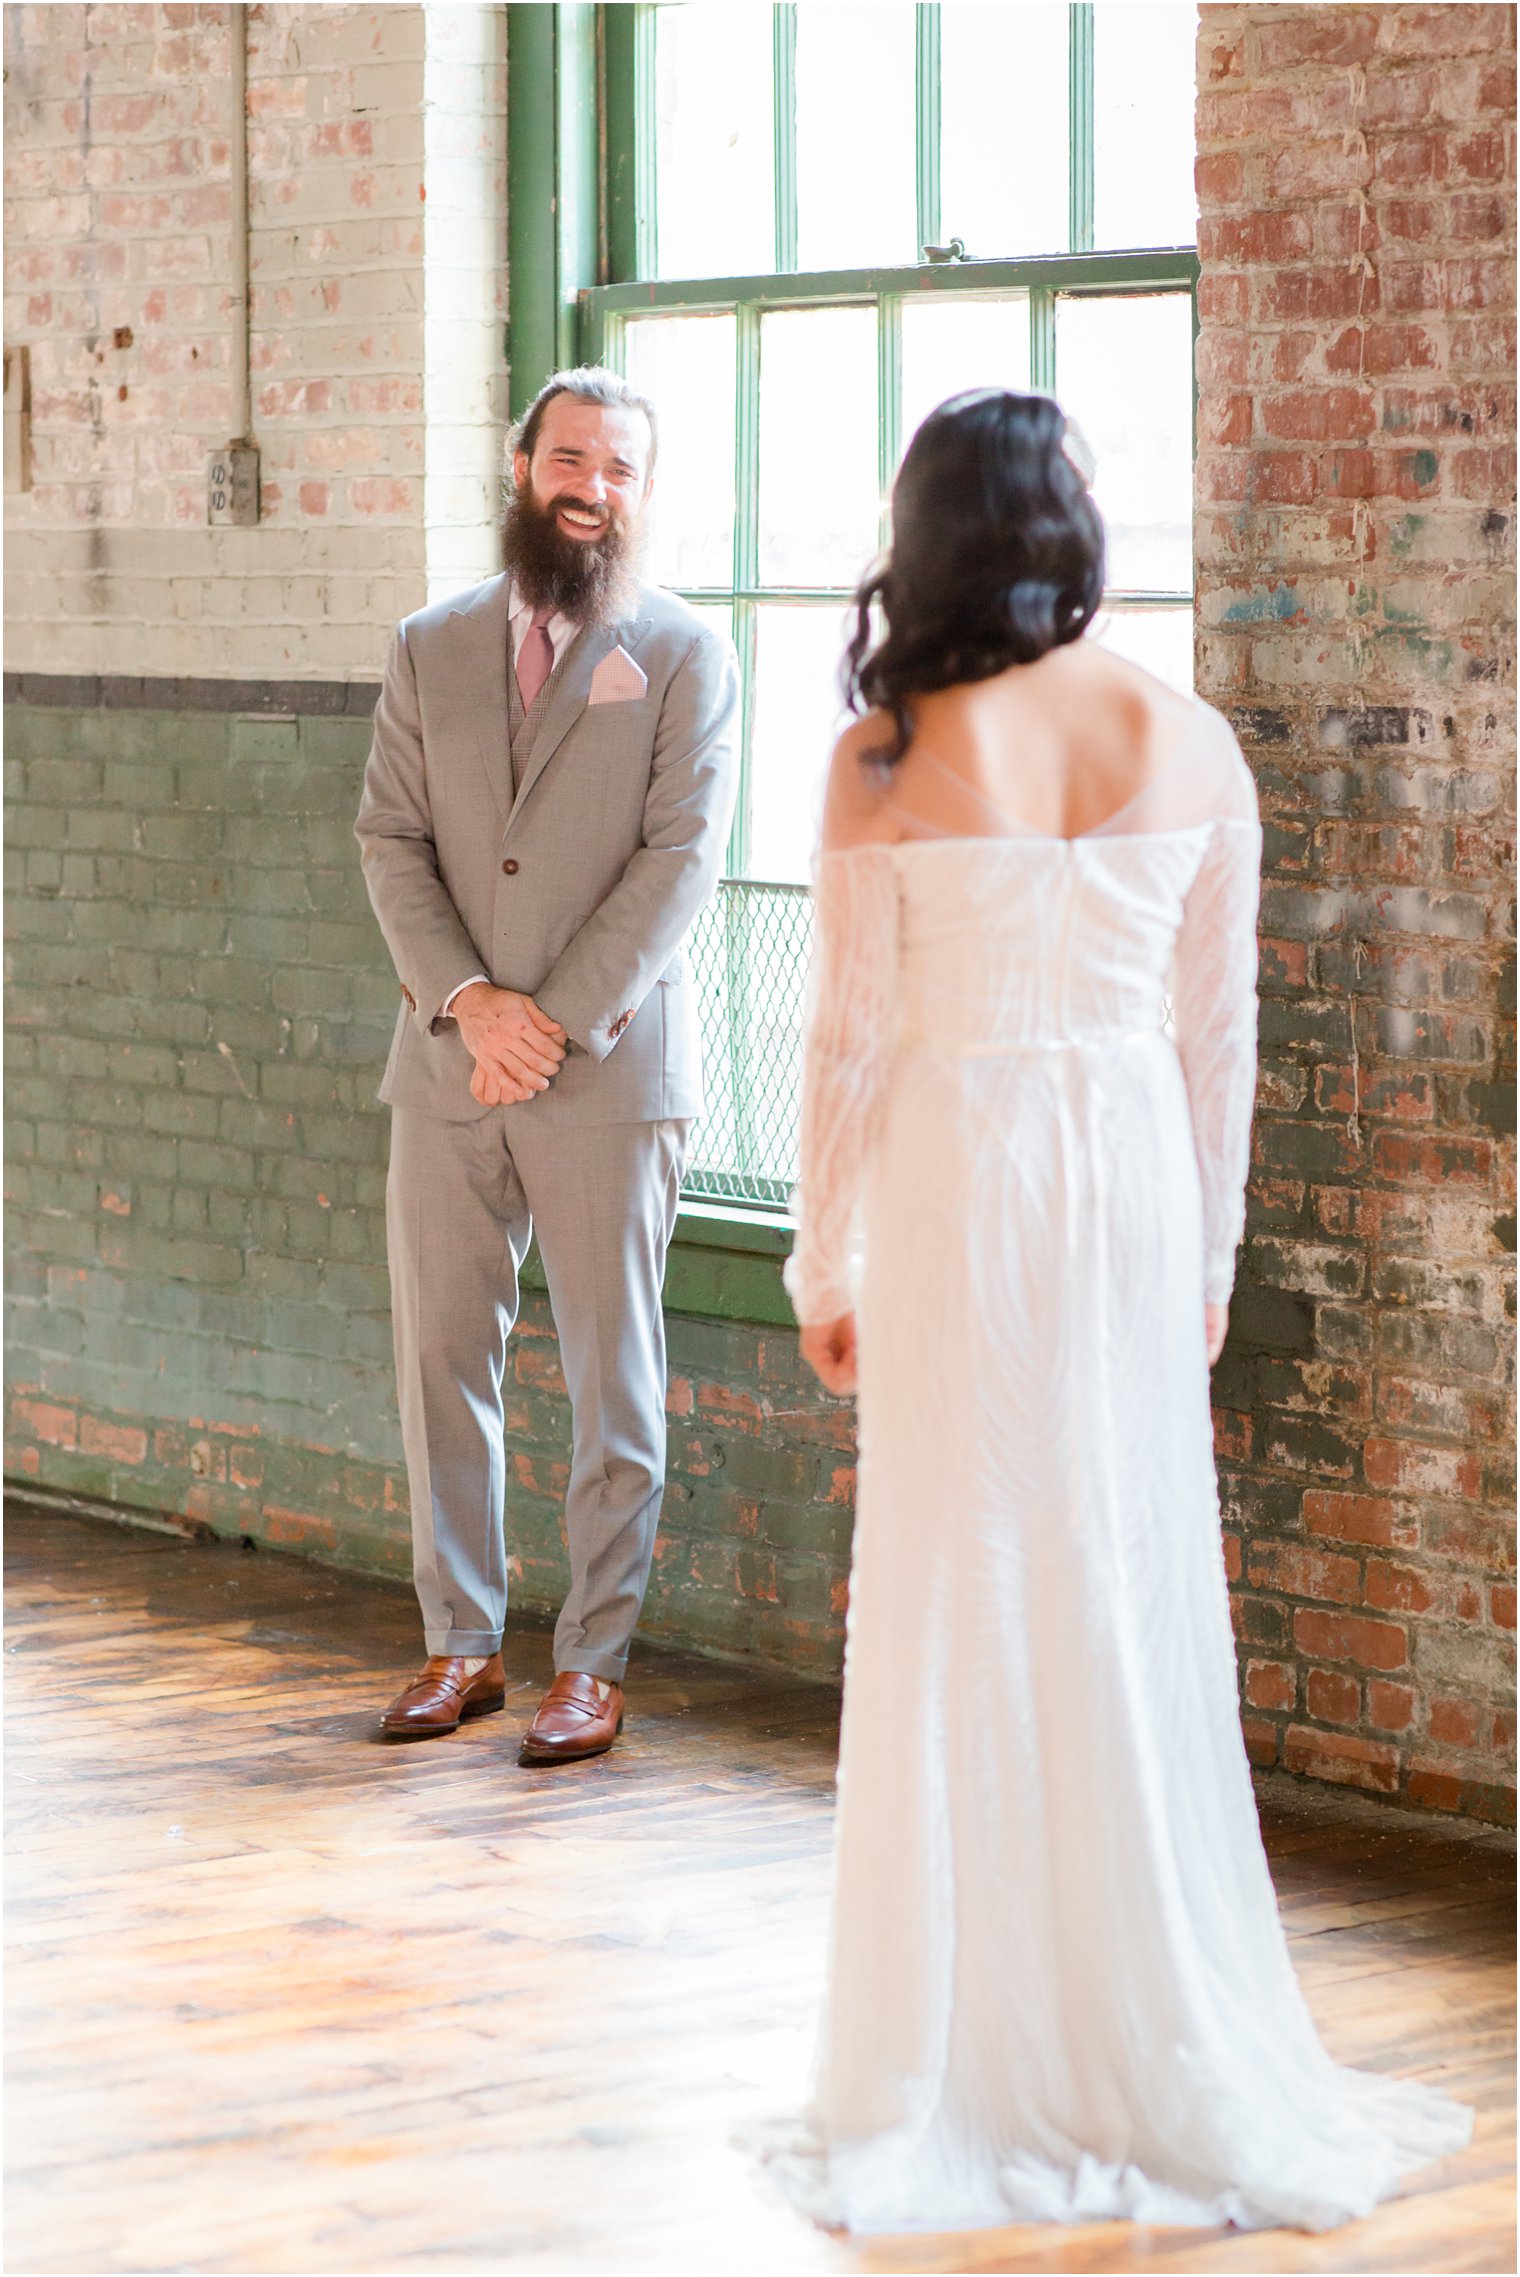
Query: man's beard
pixel 593 580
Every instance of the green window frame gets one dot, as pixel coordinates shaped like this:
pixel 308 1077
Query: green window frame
pixel 583 251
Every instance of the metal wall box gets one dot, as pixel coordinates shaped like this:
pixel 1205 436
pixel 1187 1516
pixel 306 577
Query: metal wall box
pixel 232 487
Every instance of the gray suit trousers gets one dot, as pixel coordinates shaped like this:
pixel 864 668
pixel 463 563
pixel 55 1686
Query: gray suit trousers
pixel 462 1203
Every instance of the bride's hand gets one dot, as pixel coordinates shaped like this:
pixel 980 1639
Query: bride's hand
pixel 828 1346
pixel 1216 1322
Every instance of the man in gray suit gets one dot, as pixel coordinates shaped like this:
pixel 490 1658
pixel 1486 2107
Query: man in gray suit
pixel 545 811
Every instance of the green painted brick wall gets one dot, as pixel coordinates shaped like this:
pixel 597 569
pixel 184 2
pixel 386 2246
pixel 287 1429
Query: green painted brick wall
pixel 198 1012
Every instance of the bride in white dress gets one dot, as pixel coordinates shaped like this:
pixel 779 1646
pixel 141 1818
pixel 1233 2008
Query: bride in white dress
pixel 1058 1987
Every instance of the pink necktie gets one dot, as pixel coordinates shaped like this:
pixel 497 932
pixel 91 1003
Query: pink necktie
pixel 535 659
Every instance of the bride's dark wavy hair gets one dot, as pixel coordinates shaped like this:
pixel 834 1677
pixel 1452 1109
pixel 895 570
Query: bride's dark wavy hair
pixel 996 557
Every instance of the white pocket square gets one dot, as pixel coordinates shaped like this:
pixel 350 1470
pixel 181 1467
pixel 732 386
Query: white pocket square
pixel 618 680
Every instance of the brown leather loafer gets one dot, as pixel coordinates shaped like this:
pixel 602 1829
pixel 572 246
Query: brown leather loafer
pixel 573 1721
pixel 442 1697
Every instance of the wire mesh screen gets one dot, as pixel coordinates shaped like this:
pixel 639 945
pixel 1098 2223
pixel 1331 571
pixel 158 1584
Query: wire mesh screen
pixel 749 953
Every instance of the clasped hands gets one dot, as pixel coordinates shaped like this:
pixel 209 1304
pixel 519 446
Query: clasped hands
pixel 516 1047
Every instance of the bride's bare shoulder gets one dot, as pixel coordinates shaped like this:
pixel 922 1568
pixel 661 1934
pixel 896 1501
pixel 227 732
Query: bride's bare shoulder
pixel 1137 694
pixel 857 807
pixel 1195 752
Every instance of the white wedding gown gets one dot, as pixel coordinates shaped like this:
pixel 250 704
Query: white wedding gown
pixel 1058 1987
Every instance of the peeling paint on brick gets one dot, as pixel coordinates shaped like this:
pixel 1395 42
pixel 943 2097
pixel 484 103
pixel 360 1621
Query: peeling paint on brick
pixel 1370 1363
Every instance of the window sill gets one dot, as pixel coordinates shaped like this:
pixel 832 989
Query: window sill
pixel 728 1225
pixel 725 1264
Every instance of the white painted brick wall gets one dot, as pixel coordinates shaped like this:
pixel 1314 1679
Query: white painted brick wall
pixel 378 387
pixel 465 277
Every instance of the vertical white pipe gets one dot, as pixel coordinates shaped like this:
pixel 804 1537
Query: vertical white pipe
pixel 464 275
pixel 242 413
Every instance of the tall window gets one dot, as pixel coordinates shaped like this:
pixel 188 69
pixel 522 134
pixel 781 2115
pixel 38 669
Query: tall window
pixel 823 220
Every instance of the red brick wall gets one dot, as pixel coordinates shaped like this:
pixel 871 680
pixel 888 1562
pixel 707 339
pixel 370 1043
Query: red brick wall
pixel 1355 546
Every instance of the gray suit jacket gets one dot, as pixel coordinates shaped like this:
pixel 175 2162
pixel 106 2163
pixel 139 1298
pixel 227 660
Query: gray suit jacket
pixel 580 889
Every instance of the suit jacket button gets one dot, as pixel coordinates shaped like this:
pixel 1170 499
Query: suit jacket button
pixel 509 869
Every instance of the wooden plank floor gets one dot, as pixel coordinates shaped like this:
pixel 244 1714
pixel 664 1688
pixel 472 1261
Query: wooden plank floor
pixel 283 1998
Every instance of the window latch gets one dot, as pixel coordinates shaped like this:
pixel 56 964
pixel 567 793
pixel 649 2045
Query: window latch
pixel 954 251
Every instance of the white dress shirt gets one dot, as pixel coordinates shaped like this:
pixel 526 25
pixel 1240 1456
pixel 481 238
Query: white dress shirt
pixel 561 630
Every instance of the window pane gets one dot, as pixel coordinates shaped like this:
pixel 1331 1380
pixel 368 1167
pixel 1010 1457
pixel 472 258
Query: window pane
pixel 719 616
pixel 685 365
pixel 1143 139
pixel 1160 640
pixel 956 342
pixel 857 197
pixel 714 151
pixel 749 954
pixel 1124 371
pixel 798 715
pixel 819 491
pixel 1003 112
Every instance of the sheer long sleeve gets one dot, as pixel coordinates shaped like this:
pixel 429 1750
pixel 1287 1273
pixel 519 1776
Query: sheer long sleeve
pixel 848 1039
pixel 1214 1019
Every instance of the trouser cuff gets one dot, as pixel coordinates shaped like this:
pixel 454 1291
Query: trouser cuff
pixel 464 1644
